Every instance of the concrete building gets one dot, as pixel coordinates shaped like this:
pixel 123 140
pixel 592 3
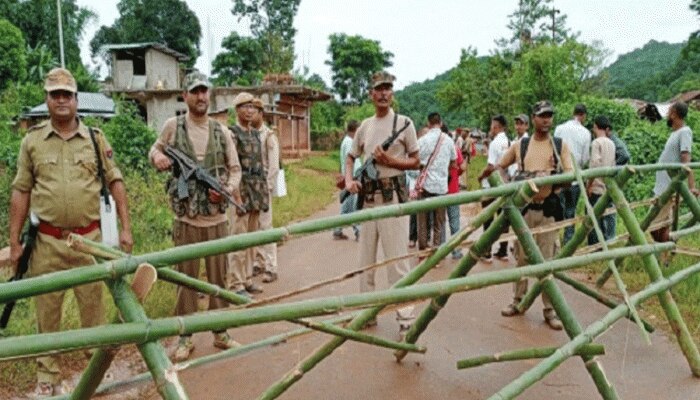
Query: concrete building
pixel 89 105
pixel 151 74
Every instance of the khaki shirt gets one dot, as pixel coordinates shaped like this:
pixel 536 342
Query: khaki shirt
pixel 61 174
pixel 198 132
pixel 540 160
pixel 602 155
pixel 374 131
pixel 270 155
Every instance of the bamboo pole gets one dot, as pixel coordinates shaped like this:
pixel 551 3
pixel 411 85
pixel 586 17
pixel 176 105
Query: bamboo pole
pixel 165 378
pixel 465 265
pixel 517 386
pixel 78 276
pixel 675 236
pixel 91 247
pixel 648 219
pixel 412 277
pixel 690 200
pixel 102 358
pixel 579 236
pixel 139 332
pixel 651 266
pixel 599 297
pixel 565 313
pixel 145 377
pixel 611 263
pixel 527 354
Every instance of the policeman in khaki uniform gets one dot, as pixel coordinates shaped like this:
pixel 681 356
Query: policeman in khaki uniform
pixel 402 155
pixel 253 191
pixel 57 179
pixel 202 215
pixel 266 255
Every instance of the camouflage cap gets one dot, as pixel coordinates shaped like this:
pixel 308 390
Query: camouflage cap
pixel 381 78
pixel 60 79
pixel 243 98
pixel 522 118
pixel 542 107
pixel 257 102
pixel 194 79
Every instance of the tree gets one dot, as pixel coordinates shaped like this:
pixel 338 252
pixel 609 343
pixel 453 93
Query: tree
pixel 37 20
pixel 532 22
pixel 170 22
pixel 272 24
pixel 13 54
pixel 40 60
pixel 241 63
pixel 353 60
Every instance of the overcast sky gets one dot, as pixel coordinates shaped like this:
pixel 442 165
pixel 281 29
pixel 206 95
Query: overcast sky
pixel 426 36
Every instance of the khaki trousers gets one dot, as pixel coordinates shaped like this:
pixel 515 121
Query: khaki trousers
pixel 392 235
pixel 437 226
pixel 548 244
pixel 240 270
pixel 183 234
pixel 266 255
pixel 52 255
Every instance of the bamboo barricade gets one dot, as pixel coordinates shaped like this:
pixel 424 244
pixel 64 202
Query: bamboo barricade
pixel 141 331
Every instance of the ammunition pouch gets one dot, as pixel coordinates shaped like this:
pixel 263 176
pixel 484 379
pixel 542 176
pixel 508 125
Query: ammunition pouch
pixel 384 187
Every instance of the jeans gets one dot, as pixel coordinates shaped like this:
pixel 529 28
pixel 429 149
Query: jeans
pixel 433 220
pixel 569 197
pixel 607 223
pixel 453 220
pixel 347 207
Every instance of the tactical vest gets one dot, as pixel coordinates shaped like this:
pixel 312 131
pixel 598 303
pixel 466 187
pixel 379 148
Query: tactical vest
pixel 197 203
pixel 254 180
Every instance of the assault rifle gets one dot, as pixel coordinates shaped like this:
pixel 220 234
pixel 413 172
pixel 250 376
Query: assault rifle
pixel 186 168
pixel 28 239
pixel 368 168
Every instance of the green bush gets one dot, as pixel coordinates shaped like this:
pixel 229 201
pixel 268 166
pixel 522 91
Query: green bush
pixel 129 136
pixel 620 114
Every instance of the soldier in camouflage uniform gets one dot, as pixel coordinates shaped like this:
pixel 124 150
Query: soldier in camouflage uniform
pixel 202 215
pixel 254 193
pixel 57 177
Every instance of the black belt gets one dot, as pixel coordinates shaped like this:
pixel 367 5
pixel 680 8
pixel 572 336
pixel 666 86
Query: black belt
pixel 533 207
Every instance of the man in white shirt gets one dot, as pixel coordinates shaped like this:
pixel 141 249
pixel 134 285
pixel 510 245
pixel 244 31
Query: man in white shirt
pixel 350 203
pixel 497 148
pixel 578 139
pixel 435 162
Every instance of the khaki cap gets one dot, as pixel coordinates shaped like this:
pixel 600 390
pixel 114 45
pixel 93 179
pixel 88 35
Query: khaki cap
pixel 194 79
pixel 257 102
pixel 542 107
pixel 60 79
pixel 381 78
pixel 243 98
pixel 522 118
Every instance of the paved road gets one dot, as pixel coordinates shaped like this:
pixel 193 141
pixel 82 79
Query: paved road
pixel 469 325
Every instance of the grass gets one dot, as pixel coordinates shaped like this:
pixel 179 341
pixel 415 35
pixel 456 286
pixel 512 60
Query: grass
pixel 310 186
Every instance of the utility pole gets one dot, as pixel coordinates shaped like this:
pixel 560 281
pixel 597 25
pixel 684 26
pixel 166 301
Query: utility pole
pixel 554 23
pixel 60 33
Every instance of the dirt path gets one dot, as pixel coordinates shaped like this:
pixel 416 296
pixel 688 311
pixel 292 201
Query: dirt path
pixel 469 325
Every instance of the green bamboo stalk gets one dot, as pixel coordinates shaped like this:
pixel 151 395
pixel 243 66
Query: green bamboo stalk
pixel 675 236
pixel 599 297
pixel 102 357
pixel 517 386
pixel 140 332
pixel 647 221
pixel 565 313
pixel 143 378
pixel 412 277
pixel 166 379
pixel 690 200
pixel 651 266
pixel 465 265
pixel 611 263
pixel 78 276
pixel 580 234
pixel 527 354
pixel 91 247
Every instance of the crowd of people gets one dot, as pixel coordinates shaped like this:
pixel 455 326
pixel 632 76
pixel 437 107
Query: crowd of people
pixel 64 166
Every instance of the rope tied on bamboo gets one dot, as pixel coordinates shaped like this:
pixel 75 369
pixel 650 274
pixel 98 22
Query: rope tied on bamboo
pixel 181 325
pixel 148 330
pixel 435 306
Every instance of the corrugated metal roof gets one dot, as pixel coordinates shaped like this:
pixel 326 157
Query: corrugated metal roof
pixel 157 46
pixel 88 104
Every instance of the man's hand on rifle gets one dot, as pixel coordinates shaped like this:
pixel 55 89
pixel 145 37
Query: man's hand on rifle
pixel 15 254
pixel 381 157
pixel 161 161
pixel 352 186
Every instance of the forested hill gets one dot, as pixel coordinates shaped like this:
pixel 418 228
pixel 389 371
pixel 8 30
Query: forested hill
pixel 418 99
pixel 630 70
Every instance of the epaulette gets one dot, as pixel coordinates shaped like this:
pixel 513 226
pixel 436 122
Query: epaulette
pixel 41 125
